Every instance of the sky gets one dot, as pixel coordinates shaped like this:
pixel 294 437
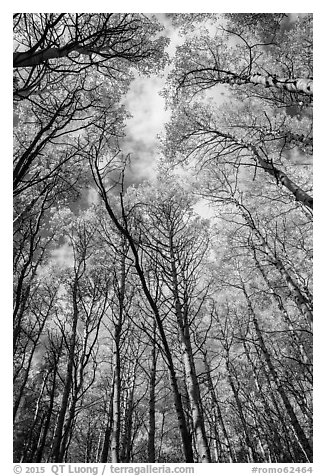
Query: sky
pixel 149 114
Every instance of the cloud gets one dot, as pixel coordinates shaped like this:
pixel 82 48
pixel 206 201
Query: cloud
pixel 204 209
pixel 63 256
pixel 149 115
pixel 147 108
pixel 92 196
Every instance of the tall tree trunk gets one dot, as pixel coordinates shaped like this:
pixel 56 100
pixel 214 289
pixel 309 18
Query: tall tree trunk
pixel 300 434
pixel 253 457
pixel 278 300
pixel 68 427
pixel 286 135
pixel 280 177
pixel 293 85
pixel 35 419
pixel 115 438
pixel 297 296
pixel 46 427
pixel 220 418
pixel 116 423
pixel 184 433
pixel 151 410
pixel 285 439
pixel 21 391
pixel 267 165
pixel 108 430
pixel 68 380
pixel 271 436
pixel 189 366
pixel 126 444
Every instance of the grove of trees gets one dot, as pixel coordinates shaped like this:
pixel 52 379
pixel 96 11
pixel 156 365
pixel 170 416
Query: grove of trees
pixel 145 330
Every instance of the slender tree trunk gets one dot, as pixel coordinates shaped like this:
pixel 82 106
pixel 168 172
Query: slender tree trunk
pixel 272 431
pixel 115 439
pixel 161 436
pixel 184 433
pixel 20 305
pixel 44 434
pixel 108 430
pixel 286 440
pixel 126 444
pixel 35 341
pixel 218 450
pixel 151 412
pixel 35 419
pixel 287 135
pixel 278 175
pixel 68 380
pixel 298 297
pixel 253 457
pixel 220 418
pixel 278 300
pixel 35 443
pixel 189 366
pixel 116 423
pixel 68 427
pixel 98 449
pixel 195 401
pixel 300 434
pixel 24 379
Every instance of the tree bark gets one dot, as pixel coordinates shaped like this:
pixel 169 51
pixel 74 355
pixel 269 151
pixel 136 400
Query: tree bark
pixel 115 439
pixel 68 380
pixel 35 419
pixel 298 297
pixel 29 60
pixel 278 300
pixel 108 430
pixel 280 177
pixel 151 409
pixel 210 386
pixel 268 167
pixel 126 444
pixel 271 436
pixel 293 85
pixel 253 457
pixel 46 427
pixel 184 433
pixel 189 366
pixel 300 434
